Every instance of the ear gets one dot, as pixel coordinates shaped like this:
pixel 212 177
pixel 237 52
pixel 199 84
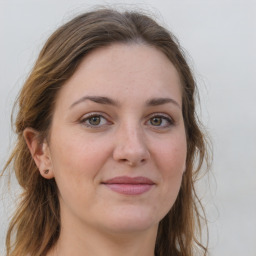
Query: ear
pixel 40 152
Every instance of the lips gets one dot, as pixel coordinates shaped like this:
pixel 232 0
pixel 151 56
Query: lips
pixel 129 185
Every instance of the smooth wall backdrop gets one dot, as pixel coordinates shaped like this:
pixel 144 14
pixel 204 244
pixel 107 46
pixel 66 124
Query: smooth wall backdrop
pixel 220 39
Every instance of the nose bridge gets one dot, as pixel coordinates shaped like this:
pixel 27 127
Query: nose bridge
pixel 133 134
pixel 131 146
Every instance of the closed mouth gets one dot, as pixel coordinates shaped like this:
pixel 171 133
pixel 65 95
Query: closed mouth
pixel 129 185
pixel 129 180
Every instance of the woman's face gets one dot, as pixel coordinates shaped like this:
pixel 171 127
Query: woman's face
pixel 117 142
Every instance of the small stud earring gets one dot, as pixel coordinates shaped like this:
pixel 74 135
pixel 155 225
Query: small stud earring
pixel 46 171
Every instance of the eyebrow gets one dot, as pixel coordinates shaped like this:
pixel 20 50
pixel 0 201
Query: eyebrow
pixel 108 101
pixel 97 99
pixel 161 101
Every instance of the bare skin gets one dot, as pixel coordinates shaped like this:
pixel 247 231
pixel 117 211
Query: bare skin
pixel 119 115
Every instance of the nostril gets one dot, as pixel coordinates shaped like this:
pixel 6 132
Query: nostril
pixel 133 162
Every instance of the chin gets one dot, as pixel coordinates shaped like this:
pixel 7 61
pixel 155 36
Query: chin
pixel 131 220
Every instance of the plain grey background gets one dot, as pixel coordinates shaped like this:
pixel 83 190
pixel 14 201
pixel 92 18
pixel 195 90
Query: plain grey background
pixel 220 40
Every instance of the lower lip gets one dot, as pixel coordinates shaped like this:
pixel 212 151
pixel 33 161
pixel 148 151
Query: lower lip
pixel 130 189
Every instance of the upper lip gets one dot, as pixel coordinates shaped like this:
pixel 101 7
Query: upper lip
pixel 129 180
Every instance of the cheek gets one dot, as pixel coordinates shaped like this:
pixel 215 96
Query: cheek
pixel 171 156
pixel 171 160
pixel 77 157
pixel 77 160
pixel 173 165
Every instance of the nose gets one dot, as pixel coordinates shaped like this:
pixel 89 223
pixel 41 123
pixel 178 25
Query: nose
pixel 130 146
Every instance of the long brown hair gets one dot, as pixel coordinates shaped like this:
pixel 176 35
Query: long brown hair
pixel 35 227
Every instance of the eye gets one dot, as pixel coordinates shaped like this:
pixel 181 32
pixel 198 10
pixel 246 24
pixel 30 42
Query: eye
pixel 160 121
pixel 94 120
pixel 156 121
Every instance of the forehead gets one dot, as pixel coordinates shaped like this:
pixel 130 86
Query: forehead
pixel 133 71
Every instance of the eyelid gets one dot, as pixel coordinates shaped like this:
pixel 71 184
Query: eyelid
pixel 87 116
pixel 164 116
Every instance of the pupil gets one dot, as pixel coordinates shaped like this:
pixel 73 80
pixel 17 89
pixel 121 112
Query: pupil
pixel 95 120
pixel 156 121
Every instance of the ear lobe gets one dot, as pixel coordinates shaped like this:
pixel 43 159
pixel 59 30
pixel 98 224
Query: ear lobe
pixel 39 151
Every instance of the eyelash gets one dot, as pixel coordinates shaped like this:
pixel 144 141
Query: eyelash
pixel 93 115
pixel 169 121
pixel 86 119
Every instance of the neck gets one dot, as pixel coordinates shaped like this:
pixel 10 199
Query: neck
pixel 82 240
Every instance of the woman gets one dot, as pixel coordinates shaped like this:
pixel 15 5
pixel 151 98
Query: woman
pixel 109 145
